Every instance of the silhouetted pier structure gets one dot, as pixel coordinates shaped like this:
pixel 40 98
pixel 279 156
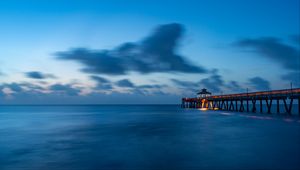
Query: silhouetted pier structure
pixel 246 102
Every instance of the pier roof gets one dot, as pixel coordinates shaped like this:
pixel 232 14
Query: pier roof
pixel 204 91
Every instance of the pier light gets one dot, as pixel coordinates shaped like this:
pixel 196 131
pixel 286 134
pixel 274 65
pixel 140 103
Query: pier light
pixel 203 93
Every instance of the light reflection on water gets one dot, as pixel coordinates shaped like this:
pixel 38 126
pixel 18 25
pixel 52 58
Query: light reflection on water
pixel 145 137
pixel 226 113
pixel 258 117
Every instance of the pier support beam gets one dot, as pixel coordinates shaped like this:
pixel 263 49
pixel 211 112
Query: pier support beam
pixel 288 108
pixel 247 105
pixel 277 107
pixel 231 107
pixel 222 104
pixel 226 105
pixel 215 103
pixel 260 103
pixel 299 106
pixel 241 106
pixel 253 105
pixel 269 105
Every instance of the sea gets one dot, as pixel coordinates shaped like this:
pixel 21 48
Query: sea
pixel 145 137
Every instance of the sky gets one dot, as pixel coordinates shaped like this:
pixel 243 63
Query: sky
pixel 145 52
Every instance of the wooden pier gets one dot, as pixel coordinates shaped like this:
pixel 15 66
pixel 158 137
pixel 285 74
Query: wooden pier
pixel 247 102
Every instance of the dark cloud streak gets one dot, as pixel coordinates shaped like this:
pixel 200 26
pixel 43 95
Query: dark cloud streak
pixel 102 83
pixel 38 75
pixel 155 53
pixel 296 39
pixel 125 83
pixel 272 48
pixel 293 77
pixel 99 79
pixel 259 83
pixel 214 83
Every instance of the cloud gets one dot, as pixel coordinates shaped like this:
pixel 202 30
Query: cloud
pixel 15 87
pixel 20 89
pixel 104 87
pixel 216 84
pixel 293 77
pixel 125 83
pixel 234 86
pixel 31 89
pixel 151 86
pixel 29 93
pixel 154 89
pixel 213 83
pixel 272 48
pixel 100 79
pixel 102 83
pixel 38 75
pixel 105 84
pixel 155 53
pixel 64 89
pixel 259 83
pixel 184 83
pixel 295 38
pixel 287 56
pixel 33 93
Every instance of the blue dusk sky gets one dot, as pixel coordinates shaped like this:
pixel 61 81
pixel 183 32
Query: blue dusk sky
pixel 145 52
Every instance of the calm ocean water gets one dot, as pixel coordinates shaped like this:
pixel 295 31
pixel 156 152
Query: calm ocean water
pixel 145 137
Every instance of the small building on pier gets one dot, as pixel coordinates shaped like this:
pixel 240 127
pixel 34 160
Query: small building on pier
pixel 203 93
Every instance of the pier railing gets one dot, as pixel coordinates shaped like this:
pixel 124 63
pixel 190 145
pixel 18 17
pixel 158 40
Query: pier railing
pixel 273 93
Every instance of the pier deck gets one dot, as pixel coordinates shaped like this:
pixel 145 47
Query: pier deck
pixel 247 102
